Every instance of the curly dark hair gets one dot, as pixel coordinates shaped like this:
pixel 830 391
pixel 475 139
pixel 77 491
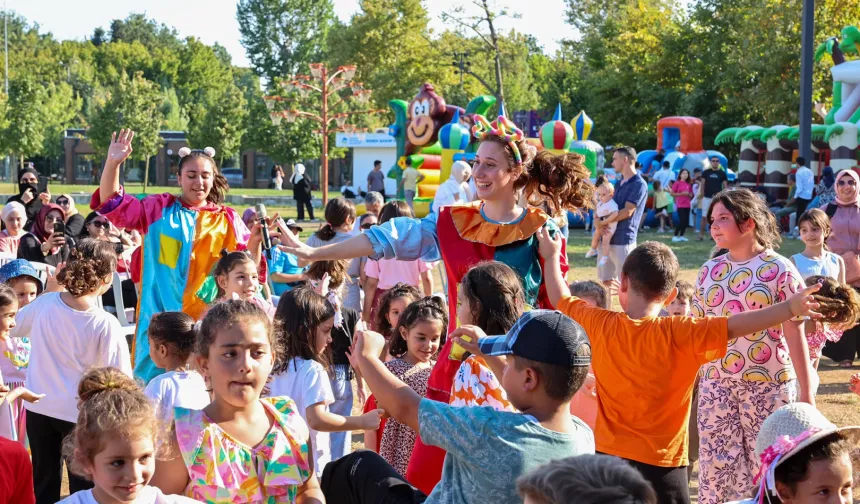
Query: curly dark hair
pixel 92 261
pixel 427 309
pixel 560 180
pixel 400 290
pixel 219 183
pixel 840 303
pixel 300 313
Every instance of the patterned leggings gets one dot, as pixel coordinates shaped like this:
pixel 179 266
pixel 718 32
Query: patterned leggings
pixel 731 412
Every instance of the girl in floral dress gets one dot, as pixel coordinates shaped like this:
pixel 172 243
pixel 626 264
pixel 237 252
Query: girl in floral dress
pixel 240 448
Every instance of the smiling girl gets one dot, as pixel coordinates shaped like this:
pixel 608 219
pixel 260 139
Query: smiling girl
pixel 496 227
pixel 183 235
pixel 761 371
pixel 114 442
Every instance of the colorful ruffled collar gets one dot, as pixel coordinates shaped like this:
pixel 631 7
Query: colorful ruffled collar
pixel 472 225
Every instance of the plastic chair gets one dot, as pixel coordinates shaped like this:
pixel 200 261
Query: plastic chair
pixel 122 314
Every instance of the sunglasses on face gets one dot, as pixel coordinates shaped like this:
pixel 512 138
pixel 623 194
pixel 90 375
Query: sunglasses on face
pixel 367 226
pixel 849 182
pixel 100 224
pixel 62 202
pixel 53 218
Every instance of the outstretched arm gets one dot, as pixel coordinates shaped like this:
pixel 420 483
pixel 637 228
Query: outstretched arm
pixel 119 150
pixel 801 304
pixel 395 397
pixel 549 248
pixel 357 246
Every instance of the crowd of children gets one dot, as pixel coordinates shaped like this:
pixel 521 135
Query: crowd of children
pixel 254 401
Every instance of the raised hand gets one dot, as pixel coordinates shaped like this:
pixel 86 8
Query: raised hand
pixel 368 344
pixel 120 146
pixel 548 246
pixel 803 304
pixel 467 336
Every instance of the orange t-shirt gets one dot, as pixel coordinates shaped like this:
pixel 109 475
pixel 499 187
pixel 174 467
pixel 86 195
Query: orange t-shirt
pixel 645 371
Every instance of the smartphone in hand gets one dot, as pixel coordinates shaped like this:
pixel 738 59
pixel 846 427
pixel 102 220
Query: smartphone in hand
pixel 43 184
pixel 60 228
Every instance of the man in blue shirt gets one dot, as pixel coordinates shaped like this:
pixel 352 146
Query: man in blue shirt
pixel 547 357
pixel 284 269
pixel 630 196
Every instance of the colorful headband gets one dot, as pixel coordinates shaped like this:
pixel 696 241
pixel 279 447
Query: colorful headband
pixel 501 127
pixel 772 456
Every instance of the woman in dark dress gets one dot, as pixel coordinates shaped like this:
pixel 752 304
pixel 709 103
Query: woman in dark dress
pixel 42 244
pixel 28 195
pixel 302 192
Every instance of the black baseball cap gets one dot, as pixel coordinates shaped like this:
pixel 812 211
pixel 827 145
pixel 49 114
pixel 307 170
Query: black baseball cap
pixel 546 336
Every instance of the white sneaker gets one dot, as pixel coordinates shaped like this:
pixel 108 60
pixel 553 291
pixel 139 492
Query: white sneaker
pixel 676 239
pixel 683 239
pixel 591 253
pixel 603 261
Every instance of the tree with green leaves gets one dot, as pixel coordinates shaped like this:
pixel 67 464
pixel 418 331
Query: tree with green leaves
pixel 24 135
pixel 282 36
pixel 220 124
pixel 133 103
pixel 59 108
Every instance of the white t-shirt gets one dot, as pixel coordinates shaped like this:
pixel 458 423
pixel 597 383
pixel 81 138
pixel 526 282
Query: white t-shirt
pixel 664 177
pixel 307 383
pixel 604 209
pixel 186 389
pixel 149 495
pixel 65 343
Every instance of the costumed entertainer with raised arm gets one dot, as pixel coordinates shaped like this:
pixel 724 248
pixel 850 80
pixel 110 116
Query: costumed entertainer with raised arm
pixel 183 236
pixel 495 227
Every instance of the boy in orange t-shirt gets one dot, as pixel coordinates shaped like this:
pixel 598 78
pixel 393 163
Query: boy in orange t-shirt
pixel 646 365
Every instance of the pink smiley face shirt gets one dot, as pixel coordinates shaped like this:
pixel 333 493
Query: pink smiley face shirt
pixel 726 288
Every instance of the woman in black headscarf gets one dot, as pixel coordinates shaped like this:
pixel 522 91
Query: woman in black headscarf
pixel 28 195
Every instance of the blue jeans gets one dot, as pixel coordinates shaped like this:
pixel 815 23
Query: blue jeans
pixel 341 386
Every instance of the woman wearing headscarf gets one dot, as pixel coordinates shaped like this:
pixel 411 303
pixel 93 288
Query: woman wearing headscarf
pixel 42 244
pixel 14 217
pixel 74 220
pixel 302 192
pixel 844 213
pixel 453 191
pixel 28 194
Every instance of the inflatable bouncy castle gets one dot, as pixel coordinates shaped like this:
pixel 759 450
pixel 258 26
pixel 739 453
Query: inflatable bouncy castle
pixel 679 141
pixel 767 154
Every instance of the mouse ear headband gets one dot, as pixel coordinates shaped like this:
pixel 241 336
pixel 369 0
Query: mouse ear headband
pixel 501 127
pixel 184 151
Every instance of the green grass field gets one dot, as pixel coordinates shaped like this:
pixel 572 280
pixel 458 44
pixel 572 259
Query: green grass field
pixel 136 188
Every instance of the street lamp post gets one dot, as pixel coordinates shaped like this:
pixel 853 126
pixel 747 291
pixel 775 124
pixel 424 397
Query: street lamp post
pixel 326 85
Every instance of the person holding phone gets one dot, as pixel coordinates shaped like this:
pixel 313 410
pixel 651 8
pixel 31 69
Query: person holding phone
pixel 47 241
pixel 74 219
pixel 32 193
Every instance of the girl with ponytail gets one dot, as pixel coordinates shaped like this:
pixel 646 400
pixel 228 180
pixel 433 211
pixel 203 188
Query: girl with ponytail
pixel 69 333
pixel 494 227
pixel 183 235
pixel 115 442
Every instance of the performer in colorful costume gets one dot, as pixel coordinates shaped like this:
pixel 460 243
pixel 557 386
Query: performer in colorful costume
pixel 183 236
pixel 493 228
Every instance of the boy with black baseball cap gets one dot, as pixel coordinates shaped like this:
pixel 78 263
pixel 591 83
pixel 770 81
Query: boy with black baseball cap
pixel 487 450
